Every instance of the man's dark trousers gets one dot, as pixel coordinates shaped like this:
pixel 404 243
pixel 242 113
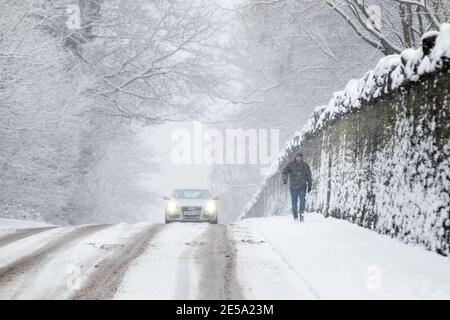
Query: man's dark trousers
pixel 297 194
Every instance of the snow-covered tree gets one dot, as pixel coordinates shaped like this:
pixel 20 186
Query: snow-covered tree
pixel 392 25
pixel 76 76
pixel 39 116
pixel 153 60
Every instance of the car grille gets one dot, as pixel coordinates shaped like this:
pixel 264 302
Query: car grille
pixel 191 212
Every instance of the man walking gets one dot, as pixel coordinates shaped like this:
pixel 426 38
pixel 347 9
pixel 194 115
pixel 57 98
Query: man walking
pixel 299 174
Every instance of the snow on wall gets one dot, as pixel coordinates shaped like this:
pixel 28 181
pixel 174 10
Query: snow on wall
pixel 380 150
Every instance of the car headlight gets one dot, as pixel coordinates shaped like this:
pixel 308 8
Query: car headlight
pixel 211 207
pixel 172 207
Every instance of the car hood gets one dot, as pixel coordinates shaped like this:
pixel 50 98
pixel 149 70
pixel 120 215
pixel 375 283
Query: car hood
pixel 192 202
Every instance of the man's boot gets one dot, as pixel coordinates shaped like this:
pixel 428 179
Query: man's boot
pixel 295 215
pixel 302 219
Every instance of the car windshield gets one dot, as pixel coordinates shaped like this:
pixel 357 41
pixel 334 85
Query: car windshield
pixel 192 194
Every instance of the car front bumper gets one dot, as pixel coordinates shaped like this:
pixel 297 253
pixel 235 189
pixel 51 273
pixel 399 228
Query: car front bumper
pixel 180 218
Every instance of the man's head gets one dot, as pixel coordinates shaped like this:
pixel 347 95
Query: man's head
pixel 299 157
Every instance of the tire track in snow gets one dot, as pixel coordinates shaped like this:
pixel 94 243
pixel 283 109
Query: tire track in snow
pixel 186 284
pixel 218 279
pixel 167 269
pixel 183 282
pixel 21 234
pixel 104 281
pixel 30 264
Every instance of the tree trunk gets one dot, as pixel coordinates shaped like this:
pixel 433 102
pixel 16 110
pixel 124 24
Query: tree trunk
pixel 406 18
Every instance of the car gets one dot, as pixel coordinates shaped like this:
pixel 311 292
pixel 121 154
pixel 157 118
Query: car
pixel 191 205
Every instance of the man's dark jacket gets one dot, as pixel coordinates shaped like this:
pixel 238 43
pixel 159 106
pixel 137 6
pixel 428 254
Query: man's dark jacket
pixel 299 174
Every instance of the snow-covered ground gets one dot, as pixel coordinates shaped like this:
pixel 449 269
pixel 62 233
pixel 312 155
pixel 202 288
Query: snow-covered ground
pixel 264 258
pixel 339 260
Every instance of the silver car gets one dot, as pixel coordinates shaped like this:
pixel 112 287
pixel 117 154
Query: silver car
pixel 191 205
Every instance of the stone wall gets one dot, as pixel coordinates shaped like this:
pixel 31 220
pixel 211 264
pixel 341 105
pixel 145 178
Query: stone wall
pixel 383 165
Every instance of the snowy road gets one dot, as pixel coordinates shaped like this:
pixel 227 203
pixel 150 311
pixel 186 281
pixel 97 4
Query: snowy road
pixel 267 258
